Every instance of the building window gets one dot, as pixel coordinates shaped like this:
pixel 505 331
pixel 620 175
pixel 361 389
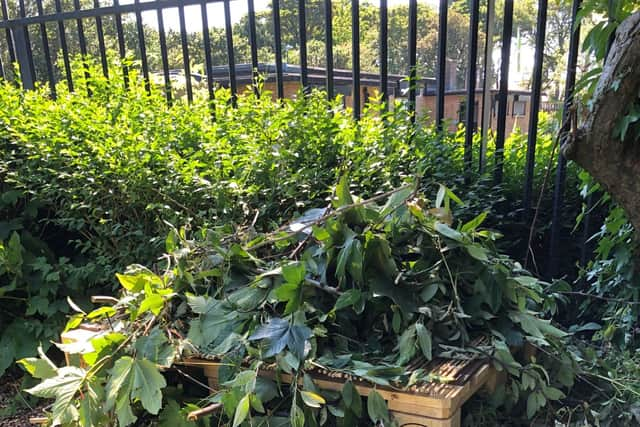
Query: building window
pixel 462 113
pixel 519 108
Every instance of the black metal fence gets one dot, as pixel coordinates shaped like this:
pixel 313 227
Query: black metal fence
pixel 19 33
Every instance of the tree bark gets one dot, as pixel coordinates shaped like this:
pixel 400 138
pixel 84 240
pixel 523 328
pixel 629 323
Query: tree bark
pixel 615 164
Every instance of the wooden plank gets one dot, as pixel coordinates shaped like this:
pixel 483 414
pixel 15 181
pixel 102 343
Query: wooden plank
pixel 442 402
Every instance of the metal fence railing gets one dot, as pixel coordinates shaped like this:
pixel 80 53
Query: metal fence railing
pixel 29 27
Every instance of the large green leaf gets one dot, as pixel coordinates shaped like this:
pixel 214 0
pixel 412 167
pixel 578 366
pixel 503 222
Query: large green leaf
pixel 377 408
pixel 343 195
pixel 242 410
pixel 39 367
pixel 134 380
pixel 407 345
pixel 147 385
pixel 64 388
pixel 351 398
pixel 279 333
pixel 347 299
pixel 424 340
pixel 172 416
pixel 156 348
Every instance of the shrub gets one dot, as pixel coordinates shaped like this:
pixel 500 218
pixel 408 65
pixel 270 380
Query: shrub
pixel 89 183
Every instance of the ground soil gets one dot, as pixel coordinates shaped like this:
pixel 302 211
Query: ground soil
pixel 20 414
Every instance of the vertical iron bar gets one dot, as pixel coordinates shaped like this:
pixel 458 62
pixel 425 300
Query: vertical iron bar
pixel 5 16
pixel 185 53
pixel 535 106
pixel 207 50
pixel 355 49
pixel 558 193
pixel 253 43
pixel 31 66
pixel 302 28
pixel 230 52
pixel 101 45
pixel 504 90
pixel 278 47
pixel 328 43
pixel 485 73
pixel 413 40
pixel 22 50
pixel 47 52
pixel 63 45
pixel 83 45
pixel 471 85
pixel 121 45
pixel 143 49
pixel 442 61
pixel 486 85
pixel 384 53
pixel 81 39
pixel 163 54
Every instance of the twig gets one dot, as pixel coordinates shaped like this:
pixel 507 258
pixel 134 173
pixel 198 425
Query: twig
pixel 299 247
pixel 609 299
pixel 194 415
pixel 255 219
pixel 189 377
pixel 12 298
pixel 329 289
pixel 101 299
pixel 532 229
pixel 325 217
pixel 174 201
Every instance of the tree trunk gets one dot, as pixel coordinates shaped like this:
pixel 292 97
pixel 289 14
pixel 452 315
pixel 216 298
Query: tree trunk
pixel 615 164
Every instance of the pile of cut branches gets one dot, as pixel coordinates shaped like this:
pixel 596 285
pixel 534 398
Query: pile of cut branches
pixel 359 287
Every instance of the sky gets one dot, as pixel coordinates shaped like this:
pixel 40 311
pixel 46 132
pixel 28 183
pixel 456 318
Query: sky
pixel 215 13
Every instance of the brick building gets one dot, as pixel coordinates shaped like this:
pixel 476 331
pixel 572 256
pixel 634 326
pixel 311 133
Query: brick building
pixel 518 101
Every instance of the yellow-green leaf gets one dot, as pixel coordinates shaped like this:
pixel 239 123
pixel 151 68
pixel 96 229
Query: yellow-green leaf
pixel 312 399
pixel 242 410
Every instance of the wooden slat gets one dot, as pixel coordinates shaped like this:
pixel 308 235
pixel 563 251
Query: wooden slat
pixel 436 400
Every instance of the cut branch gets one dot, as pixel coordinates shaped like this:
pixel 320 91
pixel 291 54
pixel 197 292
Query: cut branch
pixel 194 415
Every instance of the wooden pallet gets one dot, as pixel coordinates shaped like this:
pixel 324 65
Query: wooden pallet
pixel 428 405
pixel 435 404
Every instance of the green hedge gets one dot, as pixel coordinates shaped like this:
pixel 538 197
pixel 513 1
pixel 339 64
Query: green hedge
pixel 88 184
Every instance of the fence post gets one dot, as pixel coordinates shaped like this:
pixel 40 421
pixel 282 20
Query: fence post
pixel 21 48
pixel 561 170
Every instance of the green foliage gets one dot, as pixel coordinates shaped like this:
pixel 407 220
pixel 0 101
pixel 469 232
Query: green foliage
pixel 610 391
pixel 281 298
pixel 87 183
pixel 610 279
pixel 90 183
pixel 99 179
